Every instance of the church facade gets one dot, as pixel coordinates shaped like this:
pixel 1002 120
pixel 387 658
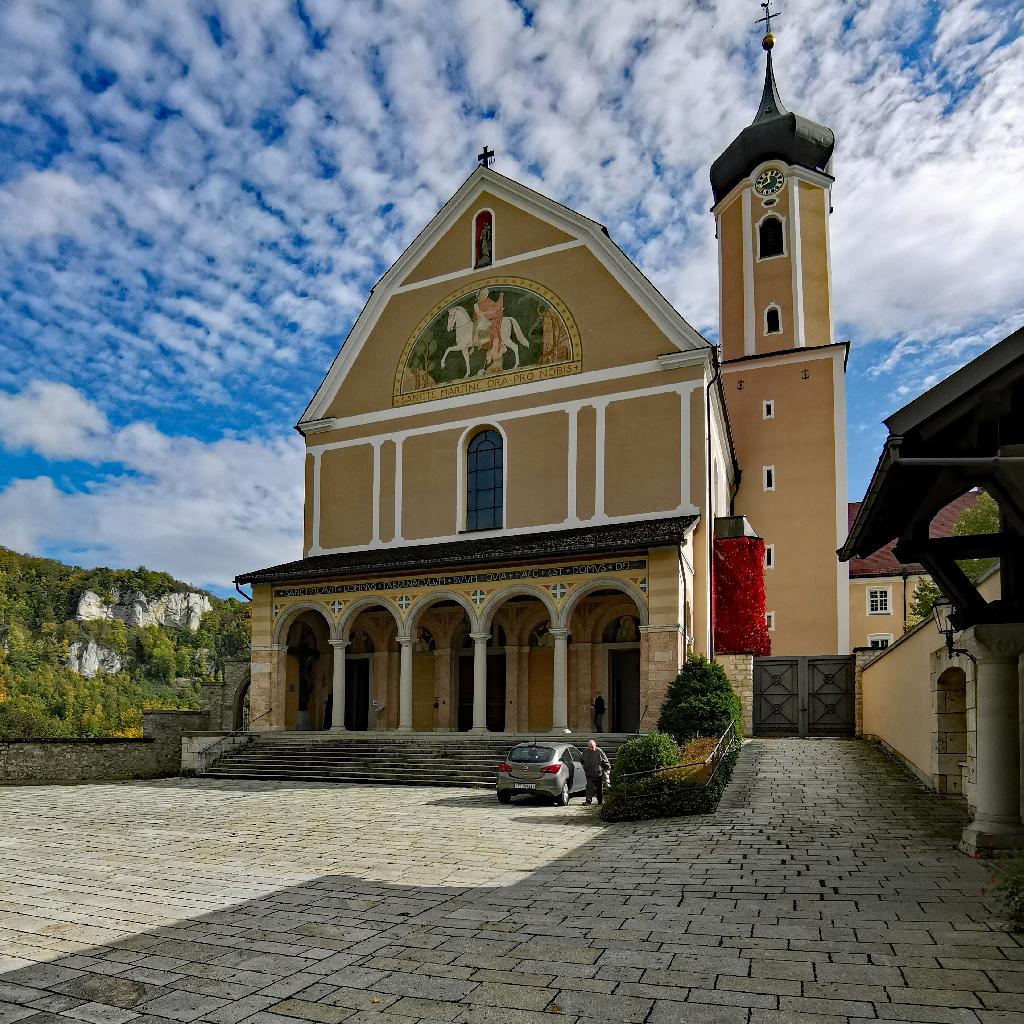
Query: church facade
pixel 515 463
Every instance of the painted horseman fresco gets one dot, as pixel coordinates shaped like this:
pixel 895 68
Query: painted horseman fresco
pixel 496 329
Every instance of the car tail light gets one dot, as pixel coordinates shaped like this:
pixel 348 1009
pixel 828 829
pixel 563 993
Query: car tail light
pixel 551 769
pixel 504 768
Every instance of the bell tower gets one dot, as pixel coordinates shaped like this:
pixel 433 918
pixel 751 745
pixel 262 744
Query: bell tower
pixel 782 373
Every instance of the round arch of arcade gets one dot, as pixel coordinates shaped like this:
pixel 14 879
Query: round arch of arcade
pixel 576 594
pixel 500 597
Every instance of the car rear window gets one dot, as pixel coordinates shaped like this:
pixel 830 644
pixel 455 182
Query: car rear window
pixel 532 755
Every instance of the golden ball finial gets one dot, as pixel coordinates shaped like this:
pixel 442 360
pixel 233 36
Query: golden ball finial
pixel 769 40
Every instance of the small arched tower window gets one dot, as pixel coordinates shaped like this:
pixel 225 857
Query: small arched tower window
pixel 483 239
pixel 772 320
pixel 769 238
pixel 484 481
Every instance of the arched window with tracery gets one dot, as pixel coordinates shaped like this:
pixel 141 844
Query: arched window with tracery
pixel 484 481
pixel 769 238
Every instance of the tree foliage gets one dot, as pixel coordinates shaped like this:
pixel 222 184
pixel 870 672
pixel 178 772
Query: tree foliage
pixel 700 701
pixel 981 517
pixel 644 754
pixel 161 668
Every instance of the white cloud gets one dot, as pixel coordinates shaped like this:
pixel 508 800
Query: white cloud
pixel 201 511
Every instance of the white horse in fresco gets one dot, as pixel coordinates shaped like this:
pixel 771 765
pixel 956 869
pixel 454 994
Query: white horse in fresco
pixel 460 322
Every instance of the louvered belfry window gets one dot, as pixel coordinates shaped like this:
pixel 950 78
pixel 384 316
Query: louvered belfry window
pixel 484 485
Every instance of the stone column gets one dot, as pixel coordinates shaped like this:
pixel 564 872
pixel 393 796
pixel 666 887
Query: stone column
pixel 338 686
pixel 480 681
pixel 405 684
pixel 560 689
pixel 997 782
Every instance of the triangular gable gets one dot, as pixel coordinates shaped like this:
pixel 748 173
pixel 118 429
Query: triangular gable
pixel 484 181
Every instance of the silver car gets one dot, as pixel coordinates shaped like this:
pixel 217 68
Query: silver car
pixel 551 770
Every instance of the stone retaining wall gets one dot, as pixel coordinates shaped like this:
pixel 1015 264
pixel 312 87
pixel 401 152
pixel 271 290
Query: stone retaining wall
pixel 157 753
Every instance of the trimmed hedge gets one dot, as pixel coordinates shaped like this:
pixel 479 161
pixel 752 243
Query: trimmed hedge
pixel 644 754
pixel 669 796
pixel 700 702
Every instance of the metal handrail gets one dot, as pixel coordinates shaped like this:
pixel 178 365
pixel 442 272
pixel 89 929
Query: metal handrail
pixel 208 753
pixel 725 742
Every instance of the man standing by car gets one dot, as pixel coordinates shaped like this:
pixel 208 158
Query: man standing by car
pixel 595 764
pixel 599 713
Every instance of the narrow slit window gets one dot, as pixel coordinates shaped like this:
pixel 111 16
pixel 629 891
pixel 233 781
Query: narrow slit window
pixel 484 481
pixel 769 410
pixel 769 618
pixel 769 556
pixel 769 238
pixel 772 320
pixel 769 478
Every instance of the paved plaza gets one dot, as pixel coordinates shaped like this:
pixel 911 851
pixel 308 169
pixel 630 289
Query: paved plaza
pixel 827 887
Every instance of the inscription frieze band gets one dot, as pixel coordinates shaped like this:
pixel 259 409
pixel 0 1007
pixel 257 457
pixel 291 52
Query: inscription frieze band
pixel 467 579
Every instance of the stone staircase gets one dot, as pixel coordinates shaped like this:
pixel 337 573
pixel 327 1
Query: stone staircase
pixel 418 759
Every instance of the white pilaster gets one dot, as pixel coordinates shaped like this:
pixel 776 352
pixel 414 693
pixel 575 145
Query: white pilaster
pixel 796 260
pixel 560 690
pixel 480 681
pixel 405 684
pixel 599 410
pixel 997 796
pixel 338 686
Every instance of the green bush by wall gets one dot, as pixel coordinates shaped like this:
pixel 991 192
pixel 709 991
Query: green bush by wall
pixel 644 754
pixel 700 702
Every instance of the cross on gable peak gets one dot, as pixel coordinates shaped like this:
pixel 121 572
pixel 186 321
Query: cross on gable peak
pixel 485 157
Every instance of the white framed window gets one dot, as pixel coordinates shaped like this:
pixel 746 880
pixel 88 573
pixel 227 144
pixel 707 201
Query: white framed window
pixel 768 409
pixel 769 618
pixel 879 640
pixel 768 476
pixel 773 319
pixel 769 556
pixel 879 600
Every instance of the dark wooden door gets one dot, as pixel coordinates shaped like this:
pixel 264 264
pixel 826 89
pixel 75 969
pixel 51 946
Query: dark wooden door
pixel 624 687
pixel 496 692
pixel 357 694
pixel 804 696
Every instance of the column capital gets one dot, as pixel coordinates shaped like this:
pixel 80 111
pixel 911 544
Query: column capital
pixel 264 648
pixel 994 641
pixel 672 627
pixel 559 634
pixel 406 641
pixel 480 638
pixel 339 644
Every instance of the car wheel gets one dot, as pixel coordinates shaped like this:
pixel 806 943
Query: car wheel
pixel 504 797
pixel 563 797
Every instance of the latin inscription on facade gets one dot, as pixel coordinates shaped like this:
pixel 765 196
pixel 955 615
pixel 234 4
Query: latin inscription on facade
pixel 466 579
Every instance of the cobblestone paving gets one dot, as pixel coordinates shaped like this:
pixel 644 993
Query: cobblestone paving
pixel 826 888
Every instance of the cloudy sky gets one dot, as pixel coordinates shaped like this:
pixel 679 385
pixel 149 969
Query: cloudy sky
pixel 195 198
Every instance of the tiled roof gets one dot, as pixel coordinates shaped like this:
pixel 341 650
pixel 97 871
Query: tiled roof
pixel 884 563
pixel 588 540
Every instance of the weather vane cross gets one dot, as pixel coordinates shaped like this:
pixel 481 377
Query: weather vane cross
pixel 485 157
pixel 767 19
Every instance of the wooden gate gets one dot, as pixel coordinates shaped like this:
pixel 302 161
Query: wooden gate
pixel 804 696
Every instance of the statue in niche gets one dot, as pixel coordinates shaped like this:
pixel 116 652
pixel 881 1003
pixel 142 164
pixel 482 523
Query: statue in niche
pixel 484 240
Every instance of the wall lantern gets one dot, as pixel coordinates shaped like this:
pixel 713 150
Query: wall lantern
pixel 941 610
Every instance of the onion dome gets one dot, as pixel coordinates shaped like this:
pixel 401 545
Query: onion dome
pixel 774 134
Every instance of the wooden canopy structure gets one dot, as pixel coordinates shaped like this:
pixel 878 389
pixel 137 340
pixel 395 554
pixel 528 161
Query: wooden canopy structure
pixel 966 432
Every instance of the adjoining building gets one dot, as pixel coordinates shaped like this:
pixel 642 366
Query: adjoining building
pixel 515 463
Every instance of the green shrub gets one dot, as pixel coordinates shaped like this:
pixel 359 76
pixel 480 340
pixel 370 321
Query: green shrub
pixel 1008 888
pixel 668 795
pixel 700 702
pixel 644 754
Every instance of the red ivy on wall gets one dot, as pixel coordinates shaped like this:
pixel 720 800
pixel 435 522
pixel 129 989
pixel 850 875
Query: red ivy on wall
pixel 738 601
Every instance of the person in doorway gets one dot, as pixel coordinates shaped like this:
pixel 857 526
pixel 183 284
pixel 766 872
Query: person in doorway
pixel 599 713
pixel 595 764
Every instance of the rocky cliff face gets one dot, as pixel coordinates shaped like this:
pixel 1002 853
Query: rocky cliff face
pixel 181 609
pixel 88 659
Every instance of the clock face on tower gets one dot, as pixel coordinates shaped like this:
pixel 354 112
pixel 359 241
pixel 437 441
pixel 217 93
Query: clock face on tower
pixel 769 182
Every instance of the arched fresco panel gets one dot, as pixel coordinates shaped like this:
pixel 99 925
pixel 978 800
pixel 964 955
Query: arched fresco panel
pixel 500 331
